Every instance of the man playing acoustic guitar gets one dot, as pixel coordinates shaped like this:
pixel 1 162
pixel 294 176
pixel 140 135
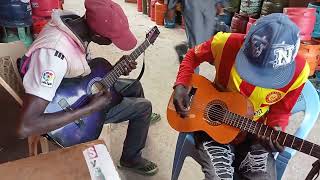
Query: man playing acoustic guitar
pixel 264 67
pixel 60 52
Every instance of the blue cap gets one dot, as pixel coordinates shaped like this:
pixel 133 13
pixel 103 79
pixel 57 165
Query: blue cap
pixel 267 57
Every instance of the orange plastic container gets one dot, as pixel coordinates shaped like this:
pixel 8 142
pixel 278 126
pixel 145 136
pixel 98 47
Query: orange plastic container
pixel 310 50
pixel 160 10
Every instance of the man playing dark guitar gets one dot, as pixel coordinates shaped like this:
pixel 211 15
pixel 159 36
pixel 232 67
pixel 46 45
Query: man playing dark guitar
pixel 60 52
pixel 264 67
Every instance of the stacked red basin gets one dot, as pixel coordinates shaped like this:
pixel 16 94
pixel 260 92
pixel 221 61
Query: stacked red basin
pixel 304 18
pixel 239 23
pixel 251 21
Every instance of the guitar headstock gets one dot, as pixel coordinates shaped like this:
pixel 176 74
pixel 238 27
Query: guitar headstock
pixel 153 34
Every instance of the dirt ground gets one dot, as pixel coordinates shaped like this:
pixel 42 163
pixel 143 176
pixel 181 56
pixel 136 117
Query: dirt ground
pixel 161 68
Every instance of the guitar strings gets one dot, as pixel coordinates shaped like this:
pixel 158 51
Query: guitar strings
pixel 215 113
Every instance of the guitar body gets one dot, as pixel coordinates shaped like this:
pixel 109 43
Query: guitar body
pixel 76 92
pixel 197 119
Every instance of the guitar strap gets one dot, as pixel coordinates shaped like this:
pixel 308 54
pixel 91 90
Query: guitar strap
pixel 314 172
pixel 138 78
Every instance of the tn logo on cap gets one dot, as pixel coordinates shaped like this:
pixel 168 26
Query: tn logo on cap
pixel 283 53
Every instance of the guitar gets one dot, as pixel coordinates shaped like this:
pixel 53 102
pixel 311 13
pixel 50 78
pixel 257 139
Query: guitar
pixel 75 93
pixel 222 116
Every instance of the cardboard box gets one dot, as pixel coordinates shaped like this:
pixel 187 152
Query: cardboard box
pixel 81 162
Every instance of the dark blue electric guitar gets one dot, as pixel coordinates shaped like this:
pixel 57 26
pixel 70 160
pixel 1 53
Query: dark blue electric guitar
pixel 75 93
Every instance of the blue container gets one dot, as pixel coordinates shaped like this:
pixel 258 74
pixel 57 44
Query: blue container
pixel 316 31
pixel 15 13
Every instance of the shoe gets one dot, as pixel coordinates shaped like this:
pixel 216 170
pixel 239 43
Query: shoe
pixel 154 118
pixel 143 167
pixel 181 50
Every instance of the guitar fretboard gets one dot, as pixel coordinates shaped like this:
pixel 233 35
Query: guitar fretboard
pixel 285 139
pixel 119 68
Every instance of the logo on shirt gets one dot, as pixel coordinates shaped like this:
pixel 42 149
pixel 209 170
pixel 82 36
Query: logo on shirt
pixel 47 78
pixel 59 55
pixel 273 97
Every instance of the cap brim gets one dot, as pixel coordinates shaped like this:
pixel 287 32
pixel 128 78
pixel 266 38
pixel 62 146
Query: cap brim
pixel 263 77
pixel 126 41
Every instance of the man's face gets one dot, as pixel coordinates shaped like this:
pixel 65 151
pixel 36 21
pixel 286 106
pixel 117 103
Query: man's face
pixel 101 40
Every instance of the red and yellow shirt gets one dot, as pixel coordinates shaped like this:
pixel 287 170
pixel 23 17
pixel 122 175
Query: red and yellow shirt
pixel 221 51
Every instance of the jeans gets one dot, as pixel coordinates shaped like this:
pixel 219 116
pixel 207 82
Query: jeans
pixel 135 108
pixel 199 19
pixel 250 161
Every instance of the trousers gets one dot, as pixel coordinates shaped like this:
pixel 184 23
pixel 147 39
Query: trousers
pixel 246 161
pixel 135 109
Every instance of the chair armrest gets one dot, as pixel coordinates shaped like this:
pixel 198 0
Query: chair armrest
pixel 312 108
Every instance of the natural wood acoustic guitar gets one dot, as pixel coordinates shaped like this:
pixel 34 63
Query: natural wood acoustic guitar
pixel 223 115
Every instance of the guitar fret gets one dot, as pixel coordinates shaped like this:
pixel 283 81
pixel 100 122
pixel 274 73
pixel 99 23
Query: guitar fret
pixel 118 70
pixel 241 125
pixel 311 149
pixel 251 125
pixel 226 119
pixel 285 139
pixel 137 53
pixel 265 131
pixel 260 128
pixel 293 140
pixel 278 135
pixel 120 67
pixel 244 119
pixel 301 145
pixel 231 120
pixel 254 130
pixel 254 127
pixel 235 121
pixel 271 133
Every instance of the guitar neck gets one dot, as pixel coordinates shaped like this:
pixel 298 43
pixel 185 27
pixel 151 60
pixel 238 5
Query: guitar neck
pixel 246 124
pixel 119 68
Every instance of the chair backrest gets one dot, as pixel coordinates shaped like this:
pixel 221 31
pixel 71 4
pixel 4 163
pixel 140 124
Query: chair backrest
pixel 309 103
pixel 11 89
pixel 10 79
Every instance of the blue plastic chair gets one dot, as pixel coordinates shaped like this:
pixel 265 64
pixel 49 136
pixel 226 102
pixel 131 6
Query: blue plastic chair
pixel 307 102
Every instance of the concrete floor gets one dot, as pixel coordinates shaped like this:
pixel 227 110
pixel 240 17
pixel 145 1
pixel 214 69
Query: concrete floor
pixel 161 68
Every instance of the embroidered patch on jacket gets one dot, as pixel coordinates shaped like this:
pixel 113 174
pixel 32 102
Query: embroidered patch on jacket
pixel 273 97
pixel 47 78
pixel 59 55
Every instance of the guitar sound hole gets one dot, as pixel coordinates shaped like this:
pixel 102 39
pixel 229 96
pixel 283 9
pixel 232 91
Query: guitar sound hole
pixel 215 112
pixel 96 87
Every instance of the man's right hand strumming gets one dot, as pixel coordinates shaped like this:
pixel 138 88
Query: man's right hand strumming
pixel 99 101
